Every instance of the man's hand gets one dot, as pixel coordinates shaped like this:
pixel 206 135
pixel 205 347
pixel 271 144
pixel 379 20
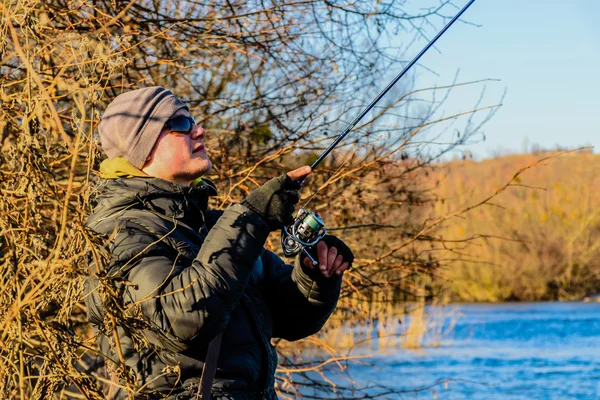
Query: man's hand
pixel 275 200
pixel 333 256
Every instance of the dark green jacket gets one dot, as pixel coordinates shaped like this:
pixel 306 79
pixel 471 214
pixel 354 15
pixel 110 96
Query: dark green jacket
pixel 192 273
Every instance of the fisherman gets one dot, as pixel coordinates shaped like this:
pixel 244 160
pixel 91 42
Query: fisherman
pixel 195 274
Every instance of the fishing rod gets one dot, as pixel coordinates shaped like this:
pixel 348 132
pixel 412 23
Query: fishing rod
pixel 387 89
pixel 308 228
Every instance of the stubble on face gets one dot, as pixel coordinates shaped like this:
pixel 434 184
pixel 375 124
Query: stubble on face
pixel 173 157
pixel 197 165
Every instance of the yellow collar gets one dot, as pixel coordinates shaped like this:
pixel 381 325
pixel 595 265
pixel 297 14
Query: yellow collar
pixel 119 167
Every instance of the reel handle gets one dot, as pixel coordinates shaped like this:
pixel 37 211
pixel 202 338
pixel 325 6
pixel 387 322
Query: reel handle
pixel 312 260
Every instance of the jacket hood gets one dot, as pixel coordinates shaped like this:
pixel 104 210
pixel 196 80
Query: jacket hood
pixel 122 186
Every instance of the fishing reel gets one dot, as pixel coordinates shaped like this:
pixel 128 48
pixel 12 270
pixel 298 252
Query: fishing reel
pixel 304 232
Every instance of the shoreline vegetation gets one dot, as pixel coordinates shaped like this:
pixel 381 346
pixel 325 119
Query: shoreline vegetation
pixel 538 241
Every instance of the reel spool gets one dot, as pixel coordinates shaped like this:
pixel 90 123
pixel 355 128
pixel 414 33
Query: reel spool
pixel 304 232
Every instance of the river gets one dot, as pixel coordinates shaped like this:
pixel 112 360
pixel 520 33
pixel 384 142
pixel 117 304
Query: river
pixel 515 351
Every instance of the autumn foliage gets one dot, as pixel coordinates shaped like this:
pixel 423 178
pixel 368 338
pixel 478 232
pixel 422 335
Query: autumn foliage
pixel 538 240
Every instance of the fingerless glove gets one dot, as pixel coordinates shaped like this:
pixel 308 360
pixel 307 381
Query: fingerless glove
pixel 275 201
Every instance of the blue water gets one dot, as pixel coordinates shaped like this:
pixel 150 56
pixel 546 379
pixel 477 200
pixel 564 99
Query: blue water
pixel 505 351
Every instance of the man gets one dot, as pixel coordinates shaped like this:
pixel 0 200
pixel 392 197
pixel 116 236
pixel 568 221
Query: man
pixel 191 273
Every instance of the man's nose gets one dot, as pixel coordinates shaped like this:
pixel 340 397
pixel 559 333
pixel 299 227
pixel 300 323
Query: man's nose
pixel 198 132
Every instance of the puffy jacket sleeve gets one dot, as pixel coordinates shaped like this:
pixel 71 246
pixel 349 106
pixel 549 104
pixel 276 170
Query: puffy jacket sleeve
pixel 190 301
pixel 301 300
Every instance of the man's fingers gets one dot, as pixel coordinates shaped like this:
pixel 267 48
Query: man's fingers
pixel 299 173
pixel 331 256
pixel 322 252
pixel 342 268
pixel 337 263
pixel 330 262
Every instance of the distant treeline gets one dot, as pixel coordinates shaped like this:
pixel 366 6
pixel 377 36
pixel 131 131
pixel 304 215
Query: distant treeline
pixel 537 240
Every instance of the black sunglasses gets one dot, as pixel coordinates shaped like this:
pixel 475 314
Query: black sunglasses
pixel 180 124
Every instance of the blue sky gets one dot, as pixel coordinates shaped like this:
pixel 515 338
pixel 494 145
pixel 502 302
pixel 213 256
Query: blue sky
pixel 546 54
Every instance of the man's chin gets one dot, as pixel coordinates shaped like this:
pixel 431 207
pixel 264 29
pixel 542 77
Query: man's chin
pixel 204 168
pixel 191 174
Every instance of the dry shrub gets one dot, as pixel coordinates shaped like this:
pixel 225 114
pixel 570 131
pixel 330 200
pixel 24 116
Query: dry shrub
pixel 268 82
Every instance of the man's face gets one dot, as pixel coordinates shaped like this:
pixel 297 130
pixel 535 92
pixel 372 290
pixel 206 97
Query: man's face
pixel 179 157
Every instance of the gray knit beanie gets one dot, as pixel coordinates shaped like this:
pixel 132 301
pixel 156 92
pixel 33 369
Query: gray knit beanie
pixel 132 122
